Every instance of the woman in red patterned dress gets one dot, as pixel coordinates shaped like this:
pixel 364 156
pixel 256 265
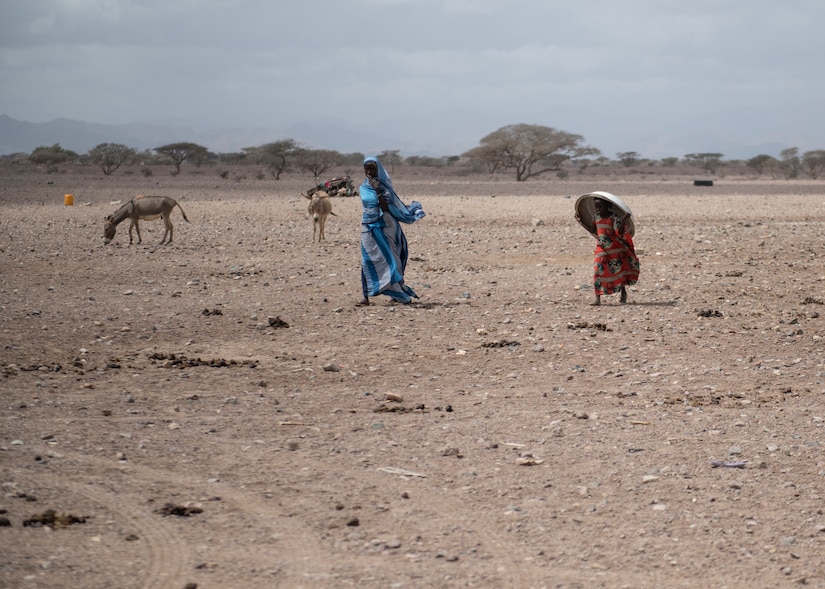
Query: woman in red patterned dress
pixel 615 264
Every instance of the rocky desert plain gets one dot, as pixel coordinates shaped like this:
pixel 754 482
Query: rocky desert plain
pixel 217 413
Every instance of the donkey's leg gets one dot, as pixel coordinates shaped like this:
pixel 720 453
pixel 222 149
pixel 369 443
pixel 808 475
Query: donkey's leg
pixel 167 222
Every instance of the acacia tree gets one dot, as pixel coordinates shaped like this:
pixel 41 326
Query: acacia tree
pixel 813 163
pixel 276 156
pixel 761 162
pixel 51 156
pixel 530 150
pixel 711 162
pixel 628 158
pixel 488 155
pixel 180 152
pixel 317 161
pixel 390 157
pixel 110 156
pixel 790 162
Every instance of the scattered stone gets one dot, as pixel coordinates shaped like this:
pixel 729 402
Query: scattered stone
pixel 721 464
pixel 501 344
pixel 451 451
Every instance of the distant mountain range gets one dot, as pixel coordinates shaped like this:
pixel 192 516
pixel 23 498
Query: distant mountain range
pixel 731 133
pixel 22 136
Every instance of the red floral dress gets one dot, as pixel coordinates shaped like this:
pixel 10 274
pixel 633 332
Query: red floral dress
pixel 615 262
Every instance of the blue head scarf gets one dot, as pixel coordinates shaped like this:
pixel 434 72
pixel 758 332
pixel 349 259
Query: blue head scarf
pixel 369 199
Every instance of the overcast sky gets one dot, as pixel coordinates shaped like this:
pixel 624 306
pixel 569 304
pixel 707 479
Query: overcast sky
pixel 625 74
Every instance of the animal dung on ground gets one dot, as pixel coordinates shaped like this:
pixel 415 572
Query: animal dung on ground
pixel 179 510
pixel 277 322
pixel 53 519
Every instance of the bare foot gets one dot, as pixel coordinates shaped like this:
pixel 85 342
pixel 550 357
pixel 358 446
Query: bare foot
pixel 363 303
pixel 596 302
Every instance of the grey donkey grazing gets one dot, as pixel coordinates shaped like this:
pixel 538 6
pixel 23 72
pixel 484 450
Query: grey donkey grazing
pixel 143 208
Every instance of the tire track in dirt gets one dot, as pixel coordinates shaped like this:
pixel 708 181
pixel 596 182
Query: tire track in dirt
pixel 166 553
pixel 302 560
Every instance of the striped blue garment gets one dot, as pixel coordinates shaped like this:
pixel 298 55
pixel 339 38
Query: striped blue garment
pixel 384 249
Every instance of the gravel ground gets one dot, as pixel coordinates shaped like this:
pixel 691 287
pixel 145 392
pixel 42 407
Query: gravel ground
pixel 217 413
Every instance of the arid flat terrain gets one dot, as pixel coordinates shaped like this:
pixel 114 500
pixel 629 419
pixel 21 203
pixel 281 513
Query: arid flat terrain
pixel 214 413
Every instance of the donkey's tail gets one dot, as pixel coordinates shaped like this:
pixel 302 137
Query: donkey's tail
pixel 182 213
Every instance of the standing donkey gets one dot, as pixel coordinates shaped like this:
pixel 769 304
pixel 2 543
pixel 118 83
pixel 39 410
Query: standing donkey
pixel 320 207
pixel 143 208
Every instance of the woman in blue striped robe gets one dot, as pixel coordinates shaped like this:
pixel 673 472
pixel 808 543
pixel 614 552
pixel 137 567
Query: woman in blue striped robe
pixel 383 244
